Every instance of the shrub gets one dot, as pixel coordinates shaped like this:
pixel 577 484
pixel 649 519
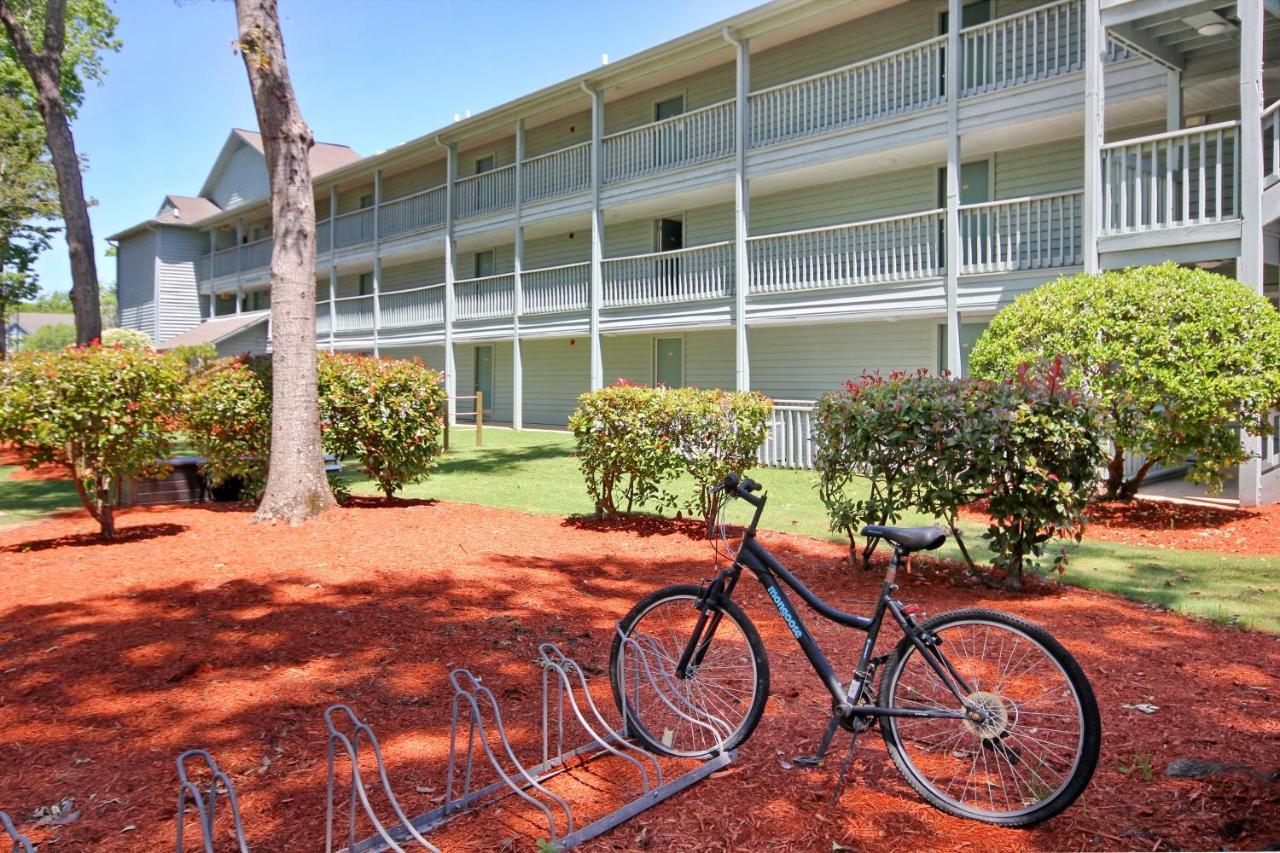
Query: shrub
pixel 129 338
pixel 1177 358
pixel 104 413
pixel 226 411
pixel 387 412
pixel 49 338
pixel 631 439
pixel 1029 447
pixel 623 449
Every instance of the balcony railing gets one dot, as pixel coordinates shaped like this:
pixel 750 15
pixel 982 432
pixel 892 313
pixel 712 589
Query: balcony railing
pixel 897 82
pixel 1032 233
pixel 1042 42
pixel 322 318
pixel 486 192
pixel 683 275
pixel 226 262
pixel 256 255
pixel 896 248
pixel 1271 143
pixel 418 306
pixel 694 137
pixel 562 172
pixel 353 313
pixel 354 228
pixel 1184 177
pixel 552 289
pixel 485 298
pixel 322 235
pixel 415 212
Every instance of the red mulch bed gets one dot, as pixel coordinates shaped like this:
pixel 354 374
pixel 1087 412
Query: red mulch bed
pixel 200 629
pixel 48 471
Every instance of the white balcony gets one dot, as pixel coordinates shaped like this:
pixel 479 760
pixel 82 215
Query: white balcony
pixel 554 289
pixel 486 192
pixel 1032 233
pixel 485 298
pixel 563 172
pixel 656 278
pixel 412 308
pixel 694 137
pixel 417 212
pixel 1039 43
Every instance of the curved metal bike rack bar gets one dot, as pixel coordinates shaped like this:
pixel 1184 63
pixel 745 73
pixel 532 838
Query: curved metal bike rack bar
pixel 206 803
pixel 20 842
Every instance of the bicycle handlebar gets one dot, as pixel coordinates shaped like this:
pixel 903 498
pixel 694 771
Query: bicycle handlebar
pixel 741 487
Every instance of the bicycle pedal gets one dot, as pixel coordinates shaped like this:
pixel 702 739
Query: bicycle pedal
pixel 809 762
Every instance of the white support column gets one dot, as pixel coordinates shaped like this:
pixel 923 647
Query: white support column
pixel 333 264
pixel 1249 266
pixel 377 259
pixel 741 213
pixel 1173 100
pixel 953 258
pixel 239 240
pixel 517 365
pixel 597 234
pixel 450 368
pixel 1095 49
pixel 213 304
pixel 213 250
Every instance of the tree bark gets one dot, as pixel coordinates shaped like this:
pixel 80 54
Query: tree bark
pixel 297 487
pixel 1115 474
pixel 1129 490
pixel 45 68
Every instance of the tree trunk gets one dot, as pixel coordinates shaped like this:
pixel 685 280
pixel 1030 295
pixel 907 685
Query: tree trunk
pixel 45 69
pixel 1115 474
pixel 1130 488
pixel 297 487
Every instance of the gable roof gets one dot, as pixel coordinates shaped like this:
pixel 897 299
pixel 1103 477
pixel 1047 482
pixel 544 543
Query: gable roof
pixel 325 156
pixel 184 210
pixel 215 329
pixel 29 321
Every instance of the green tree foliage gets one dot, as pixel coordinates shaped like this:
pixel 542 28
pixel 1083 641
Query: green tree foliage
pixel 90 35
pixel 1029 447
pixel 632 439
pixel 57 302
pixel 1176 357
pixel 104 413
pixel 386 412
pixel 226 415
pixel 49 338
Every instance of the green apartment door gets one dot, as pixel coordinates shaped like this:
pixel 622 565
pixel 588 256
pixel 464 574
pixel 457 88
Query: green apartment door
pixel 484 376
pixel 668 362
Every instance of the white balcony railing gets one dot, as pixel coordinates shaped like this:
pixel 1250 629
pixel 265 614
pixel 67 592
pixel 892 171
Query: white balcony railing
pixel 486 192
pixel 484 298
pixel 1271 143
pixel 256 255
pixel 700 272
pixel 1184 177
pixel 694 137
pixel 1032 233
pixel 562 172
pixel 322 235
pixel 225 262
pixel 322 318
pixel 897 82
pixel 790 442
pixel 415 212
pixel 353 314
pixel 418 306
pixel 354 228
pixel 896 248
pixel 552 289
pixel 1042 42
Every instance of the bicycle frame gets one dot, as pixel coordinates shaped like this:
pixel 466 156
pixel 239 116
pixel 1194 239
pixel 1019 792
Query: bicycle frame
pixel 772 575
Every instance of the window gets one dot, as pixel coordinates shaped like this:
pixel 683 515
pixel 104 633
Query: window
pixel 256 300
pixel 366 283
pixel 366 201
pixel 668 107
pixel 668 233
pixel 225 304
pixel 484 263
pixel 486 164
pixel 668 362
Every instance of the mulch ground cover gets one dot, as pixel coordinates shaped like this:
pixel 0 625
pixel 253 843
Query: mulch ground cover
pixel 48 471
pixel 1165 524
pixel 199 629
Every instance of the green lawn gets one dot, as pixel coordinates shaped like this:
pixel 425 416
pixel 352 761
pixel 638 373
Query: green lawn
pixel 28 500
pixel 533 472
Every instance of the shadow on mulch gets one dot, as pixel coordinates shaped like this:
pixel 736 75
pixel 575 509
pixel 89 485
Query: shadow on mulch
pixel 381 502
pixel 1164 515
pixel 124 536
pixel 640 524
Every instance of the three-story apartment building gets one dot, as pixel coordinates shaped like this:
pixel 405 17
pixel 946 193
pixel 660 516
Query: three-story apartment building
pixel 806 191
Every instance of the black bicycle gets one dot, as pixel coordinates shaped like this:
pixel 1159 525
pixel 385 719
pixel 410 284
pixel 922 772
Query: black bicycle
pixel 986 715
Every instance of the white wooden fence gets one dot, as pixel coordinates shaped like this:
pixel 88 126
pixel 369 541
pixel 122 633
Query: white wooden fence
pixel 351 229
pixel 486 192
pixel 484 298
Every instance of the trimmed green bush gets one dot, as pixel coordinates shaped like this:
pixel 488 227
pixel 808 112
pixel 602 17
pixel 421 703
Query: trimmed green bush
pixel 130 338
pixel 226 413
pixel 1177 359
pixel 387 412
pixel 632 439
pixel 103 413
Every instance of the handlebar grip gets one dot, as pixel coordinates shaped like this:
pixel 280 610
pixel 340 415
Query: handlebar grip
pixel 750 485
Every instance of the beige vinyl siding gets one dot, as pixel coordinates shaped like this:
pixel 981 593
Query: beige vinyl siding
pixel 349 197
pixel 409 276
pixel 558 250
pixel 708 358
pixel 135 282
pixel 628 357
pixel 432 355
pixel 702 225
pixel 699 90
pixel 805 362
pixel 414 180
pixel 243 179
pixel 557 134
pixel 252 340
pixel 853 41
pixel 556 372
pixel 503 151
pixel 868 197
pixel 348 285
pixel 179 251
pixel 499 408
pixel 1054 167
pixel 504 261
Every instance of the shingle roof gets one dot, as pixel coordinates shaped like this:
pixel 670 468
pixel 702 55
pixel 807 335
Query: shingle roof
pixel 29 321
pixel 184 210
pixel 324 155
pixel 215 329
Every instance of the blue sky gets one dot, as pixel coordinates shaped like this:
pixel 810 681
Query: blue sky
pixel 369 74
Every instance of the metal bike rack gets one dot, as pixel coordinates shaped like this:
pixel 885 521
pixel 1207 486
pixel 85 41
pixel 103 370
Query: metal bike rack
pixel 20 843
pixel 475 706
pixel 206 802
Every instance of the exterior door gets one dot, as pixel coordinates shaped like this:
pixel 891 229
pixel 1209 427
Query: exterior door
pixel 668 237
pixel 668 362
pixel 975 188
pixel 670 138
pixel 484 376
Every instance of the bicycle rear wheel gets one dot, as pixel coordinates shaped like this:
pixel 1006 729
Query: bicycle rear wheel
pixel 717 704
pixel 1036 746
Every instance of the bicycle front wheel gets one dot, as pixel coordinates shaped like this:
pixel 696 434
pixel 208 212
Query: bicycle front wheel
pixel 715 705
pixel 1035 746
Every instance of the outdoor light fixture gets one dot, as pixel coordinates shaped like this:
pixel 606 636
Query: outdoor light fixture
pixel 1208 23
pixel 1213 28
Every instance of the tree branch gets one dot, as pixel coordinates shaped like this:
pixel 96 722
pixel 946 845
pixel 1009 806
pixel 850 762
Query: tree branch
pixel 55 29
pixel 18 36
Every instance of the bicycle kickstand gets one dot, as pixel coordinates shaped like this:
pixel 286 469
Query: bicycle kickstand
pixel 844 767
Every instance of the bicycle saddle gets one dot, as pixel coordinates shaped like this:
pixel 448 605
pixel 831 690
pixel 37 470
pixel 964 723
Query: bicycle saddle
pixel 908 539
